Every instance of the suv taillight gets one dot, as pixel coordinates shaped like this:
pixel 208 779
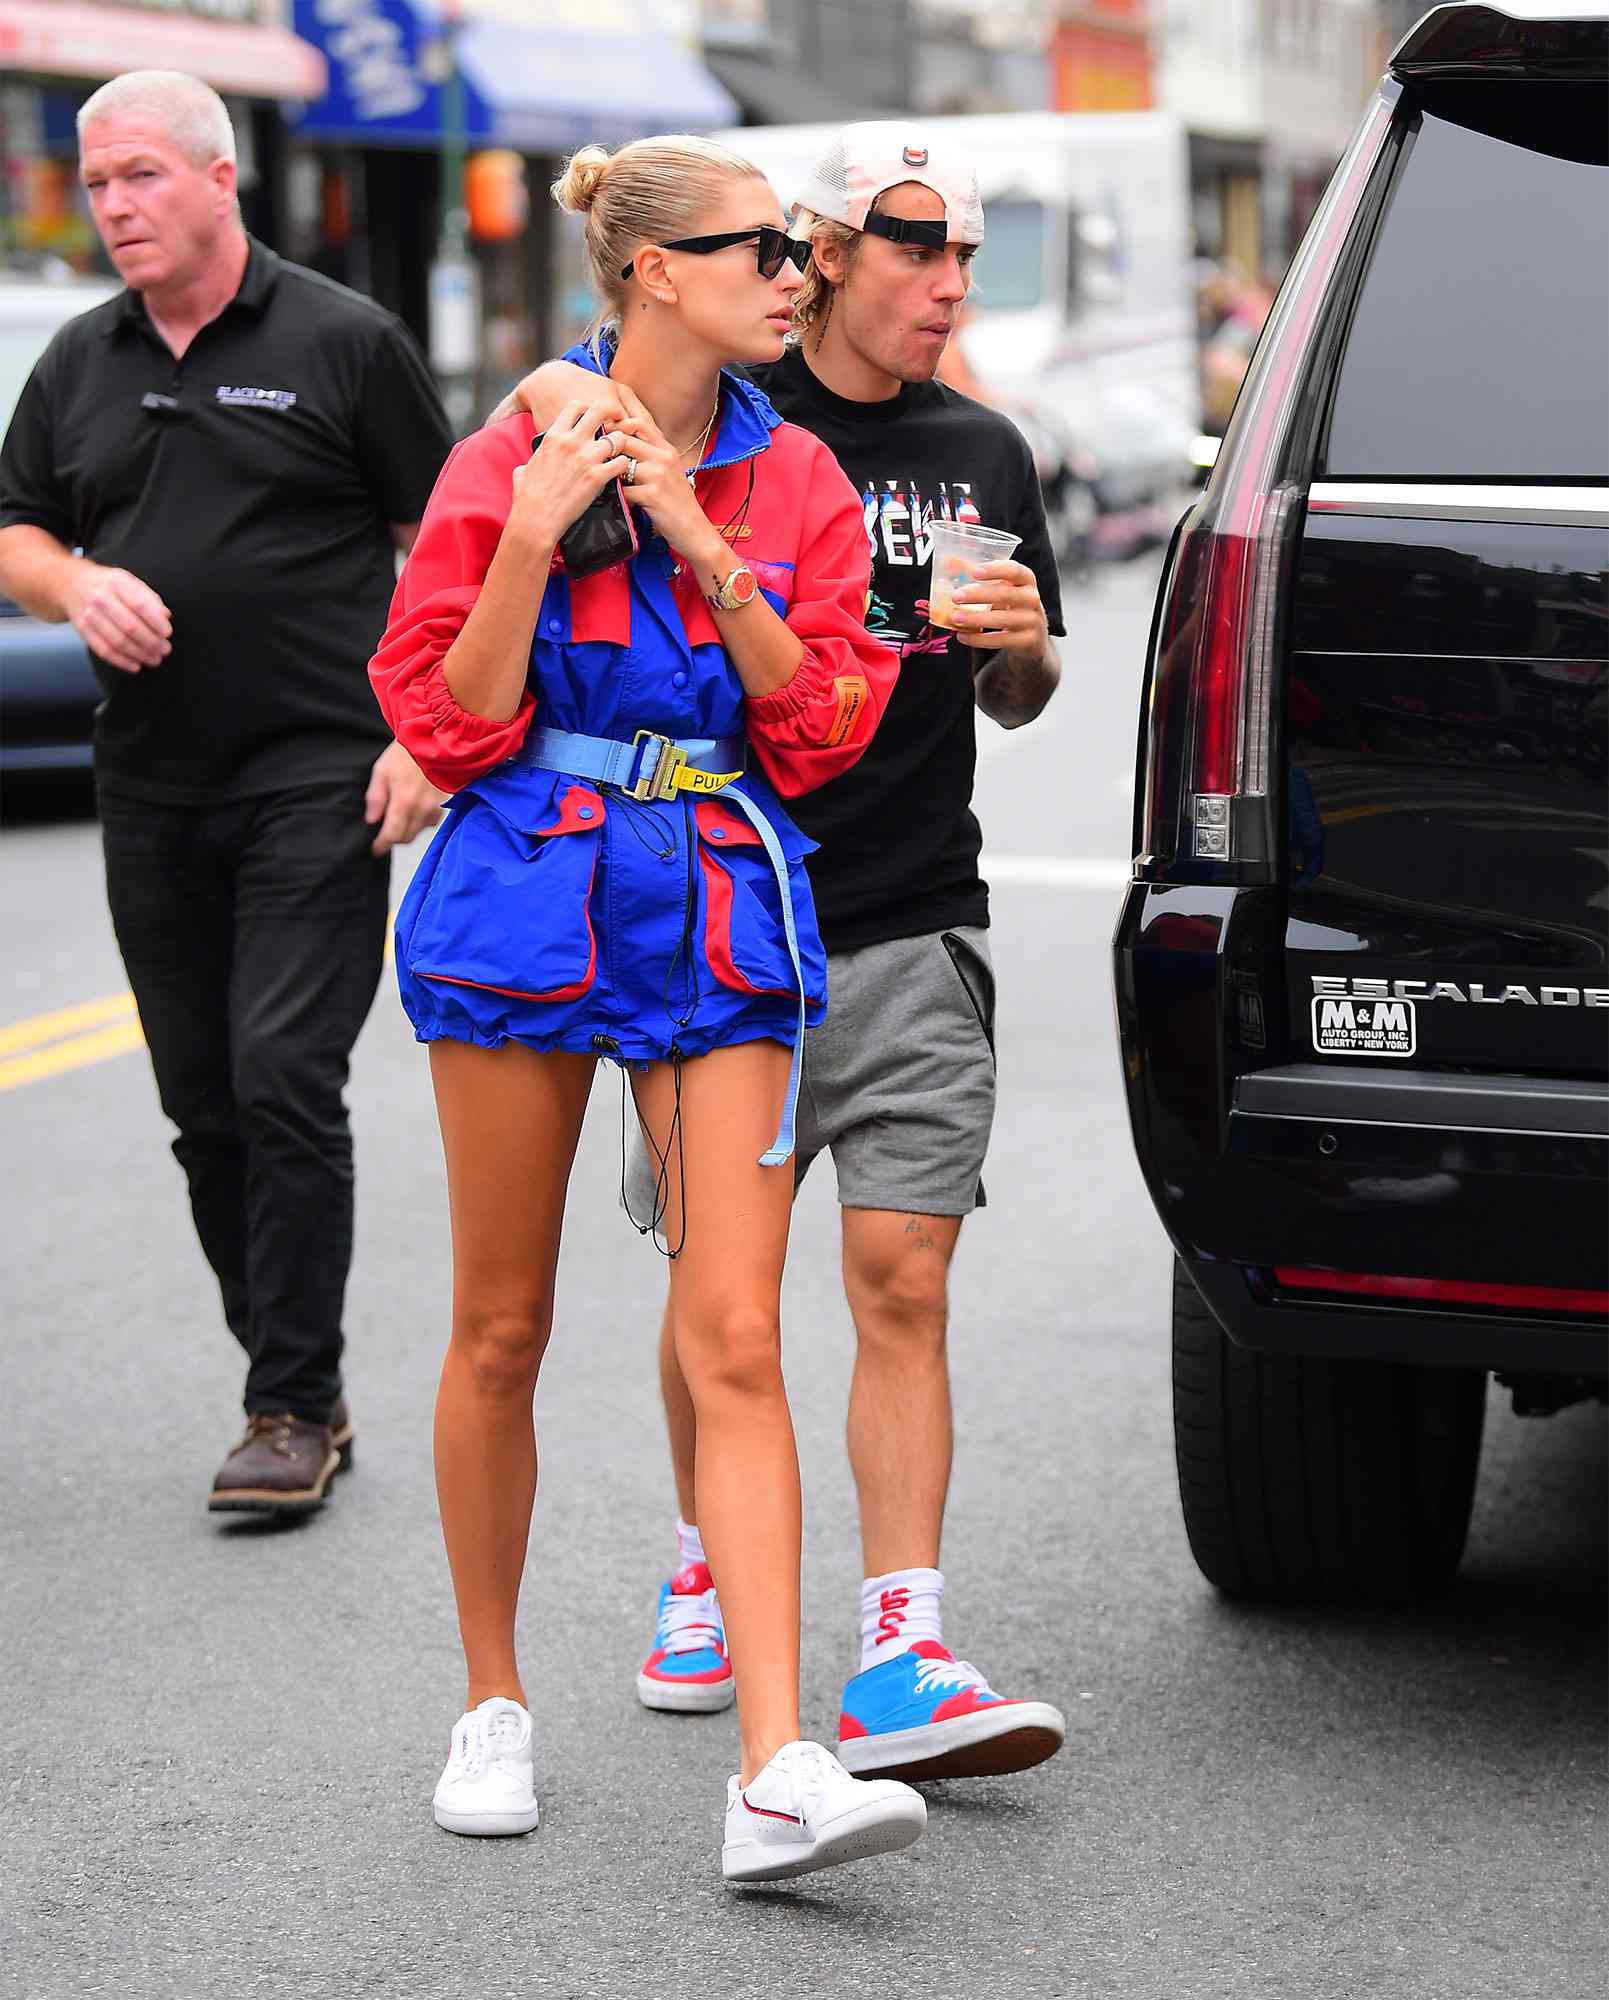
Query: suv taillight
pixel 1216 667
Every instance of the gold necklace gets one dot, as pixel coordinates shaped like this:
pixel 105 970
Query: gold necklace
pixel 703 437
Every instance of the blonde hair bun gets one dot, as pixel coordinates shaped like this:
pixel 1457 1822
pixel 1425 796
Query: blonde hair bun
pixel 577 187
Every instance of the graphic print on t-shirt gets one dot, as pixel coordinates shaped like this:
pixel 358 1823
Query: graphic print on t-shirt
pixel 899 843
pixel 899 528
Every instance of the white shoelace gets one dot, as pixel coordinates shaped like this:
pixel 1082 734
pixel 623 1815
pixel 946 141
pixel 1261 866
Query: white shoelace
pixel 485 1739
pixel 690 1624
pixel 810 1767
pixel 949 1673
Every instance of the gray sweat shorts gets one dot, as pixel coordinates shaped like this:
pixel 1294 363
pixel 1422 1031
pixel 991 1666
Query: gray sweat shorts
pixel 898 1082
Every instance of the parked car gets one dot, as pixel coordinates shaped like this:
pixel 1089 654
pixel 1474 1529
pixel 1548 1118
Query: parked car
pixel 48 691
pixel 1067 474
pixel 1362 970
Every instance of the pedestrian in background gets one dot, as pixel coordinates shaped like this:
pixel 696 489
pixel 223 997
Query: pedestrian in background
pixel 619 711
pixel 899 1084
pixel 209 477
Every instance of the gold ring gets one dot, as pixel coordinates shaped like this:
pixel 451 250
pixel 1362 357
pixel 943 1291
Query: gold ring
pixel 630 472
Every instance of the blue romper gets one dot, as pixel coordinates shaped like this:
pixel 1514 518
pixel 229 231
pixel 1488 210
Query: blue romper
pixel 561 912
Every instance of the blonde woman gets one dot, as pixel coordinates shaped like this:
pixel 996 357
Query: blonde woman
pixel 902 1078
pixel 618 878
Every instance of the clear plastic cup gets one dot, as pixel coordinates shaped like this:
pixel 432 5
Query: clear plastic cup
pixel 959 551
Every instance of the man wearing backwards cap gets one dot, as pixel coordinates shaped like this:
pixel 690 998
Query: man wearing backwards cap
pixel 900 1080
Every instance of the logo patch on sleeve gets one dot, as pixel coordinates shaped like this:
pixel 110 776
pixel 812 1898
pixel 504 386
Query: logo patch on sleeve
pixel 853 695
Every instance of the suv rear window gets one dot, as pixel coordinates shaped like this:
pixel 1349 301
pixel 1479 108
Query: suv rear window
pixel 1480 345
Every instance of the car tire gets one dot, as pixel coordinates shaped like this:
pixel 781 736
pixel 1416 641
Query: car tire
pixel 1304 1479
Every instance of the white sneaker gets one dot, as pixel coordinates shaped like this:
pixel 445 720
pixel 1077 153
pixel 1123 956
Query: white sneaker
pixel 489 1785
pixel 804 1811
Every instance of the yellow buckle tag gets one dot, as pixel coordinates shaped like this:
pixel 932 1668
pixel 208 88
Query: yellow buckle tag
pixel 706 781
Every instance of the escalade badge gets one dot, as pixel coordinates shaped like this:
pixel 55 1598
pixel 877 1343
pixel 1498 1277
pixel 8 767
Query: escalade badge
pixel 1474 994
pixel 1363 1027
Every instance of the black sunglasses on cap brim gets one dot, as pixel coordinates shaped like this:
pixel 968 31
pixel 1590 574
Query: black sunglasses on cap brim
pixel 772 248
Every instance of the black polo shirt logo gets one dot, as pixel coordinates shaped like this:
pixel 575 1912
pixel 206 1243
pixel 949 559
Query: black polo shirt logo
pixel 255 399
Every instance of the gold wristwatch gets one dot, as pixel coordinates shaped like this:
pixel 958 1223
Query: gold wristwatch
pixel 738 589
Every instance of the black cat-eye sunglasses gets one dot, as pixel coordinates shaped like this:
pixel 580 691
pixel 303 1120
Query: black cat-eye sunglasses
pixel 772 247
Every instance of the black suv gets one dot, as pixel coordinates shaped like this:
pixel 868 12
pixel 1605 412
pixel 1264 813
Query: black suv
pixel 1363 967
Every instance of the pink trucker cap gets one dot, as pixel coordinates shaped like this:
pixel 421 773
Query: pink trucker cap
pixel 865 160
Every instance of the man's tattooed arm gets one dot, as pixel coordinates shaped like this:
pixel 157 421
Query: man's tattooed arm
pixel 1012 688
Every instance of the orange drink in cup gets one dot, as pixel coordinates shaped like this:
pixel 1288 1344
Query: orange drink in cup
pixel 959 551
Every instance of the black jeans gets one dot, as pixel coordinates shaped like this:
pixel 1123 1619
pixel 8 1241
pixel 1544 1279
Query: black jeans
pixel 253 933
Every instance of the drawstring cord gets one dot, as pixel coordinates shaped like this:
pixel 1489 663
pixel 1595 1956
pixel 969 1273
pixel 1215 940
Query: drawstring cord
pixel 683 957
pixel 673 1138
pixel 609 1049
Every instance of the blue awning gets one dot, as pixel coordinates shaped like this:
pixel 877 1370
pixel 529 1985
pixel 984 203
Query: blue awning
pixel 551 91
pixel 539 90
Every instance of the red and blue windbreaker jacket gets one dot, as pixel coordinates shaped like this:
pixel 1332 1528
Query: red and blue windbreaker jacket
pixel 565 915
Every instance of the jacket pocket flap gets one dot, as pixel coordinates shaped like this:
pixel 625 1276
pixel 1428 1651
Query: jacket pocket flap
pixel 722 827
pixel 535 804
pixel 579 811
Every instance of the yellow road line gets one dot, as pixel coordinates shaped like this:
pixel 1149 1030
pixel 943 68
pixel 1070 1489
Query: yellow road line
pixel 94 1031
pixel 41 1028
pixel 121 1039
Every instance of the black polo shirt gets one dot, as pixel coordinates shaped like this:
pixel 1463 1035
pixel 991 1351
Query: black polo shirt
pixel 252 485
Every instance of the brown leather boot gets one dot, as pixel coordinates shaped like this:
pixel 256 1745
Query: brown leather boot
pixel 341 1433
pixel 283 1465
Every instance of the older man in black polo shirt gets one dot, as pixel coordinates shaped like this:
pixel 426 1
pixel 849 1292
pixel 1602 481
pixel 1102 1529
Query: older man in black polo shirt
pixel 236 446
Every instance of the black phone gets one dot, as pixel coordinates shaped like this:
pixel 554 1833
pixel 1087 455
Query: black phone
pixel 602 534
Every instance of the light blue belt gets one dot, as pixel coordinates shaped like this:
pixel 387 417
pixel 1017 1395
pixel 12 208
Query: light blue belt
pixel 662 767
pixel 650 766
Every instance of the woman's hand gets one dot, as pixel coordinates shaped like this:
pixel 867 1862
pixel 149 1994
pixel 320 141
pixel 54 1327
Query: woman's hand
pixel 661 487
pixel 570 468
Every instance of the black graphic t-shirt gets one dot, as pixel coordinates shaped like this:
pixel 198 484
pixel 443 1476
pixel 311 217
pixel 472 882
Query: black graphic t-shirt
pixel 899 843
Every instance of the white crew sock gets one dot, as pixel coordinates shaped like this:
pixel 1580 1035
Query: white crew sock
pixel 896 1611
pixel 689 1545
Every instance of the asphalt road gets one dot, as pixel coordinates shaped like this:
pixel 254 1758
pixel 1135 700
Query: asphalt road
pixel 219 1743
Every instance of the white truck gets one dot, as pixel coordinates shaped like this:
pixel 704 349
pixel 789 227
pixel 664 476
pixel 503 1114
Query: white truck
pixel 1082 311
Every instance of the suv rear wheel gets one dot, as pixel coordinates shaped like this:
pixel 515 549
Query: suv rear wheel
pixel 1304 1478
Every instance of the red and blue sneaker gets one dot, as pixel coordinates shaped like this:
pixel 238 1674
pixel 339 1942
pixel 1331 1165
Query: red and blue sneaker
pixel 688 1671
pixel 926 1714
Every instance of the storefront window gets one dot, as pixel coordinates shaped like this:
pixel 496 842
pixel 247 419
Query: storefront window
pixel 44 220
